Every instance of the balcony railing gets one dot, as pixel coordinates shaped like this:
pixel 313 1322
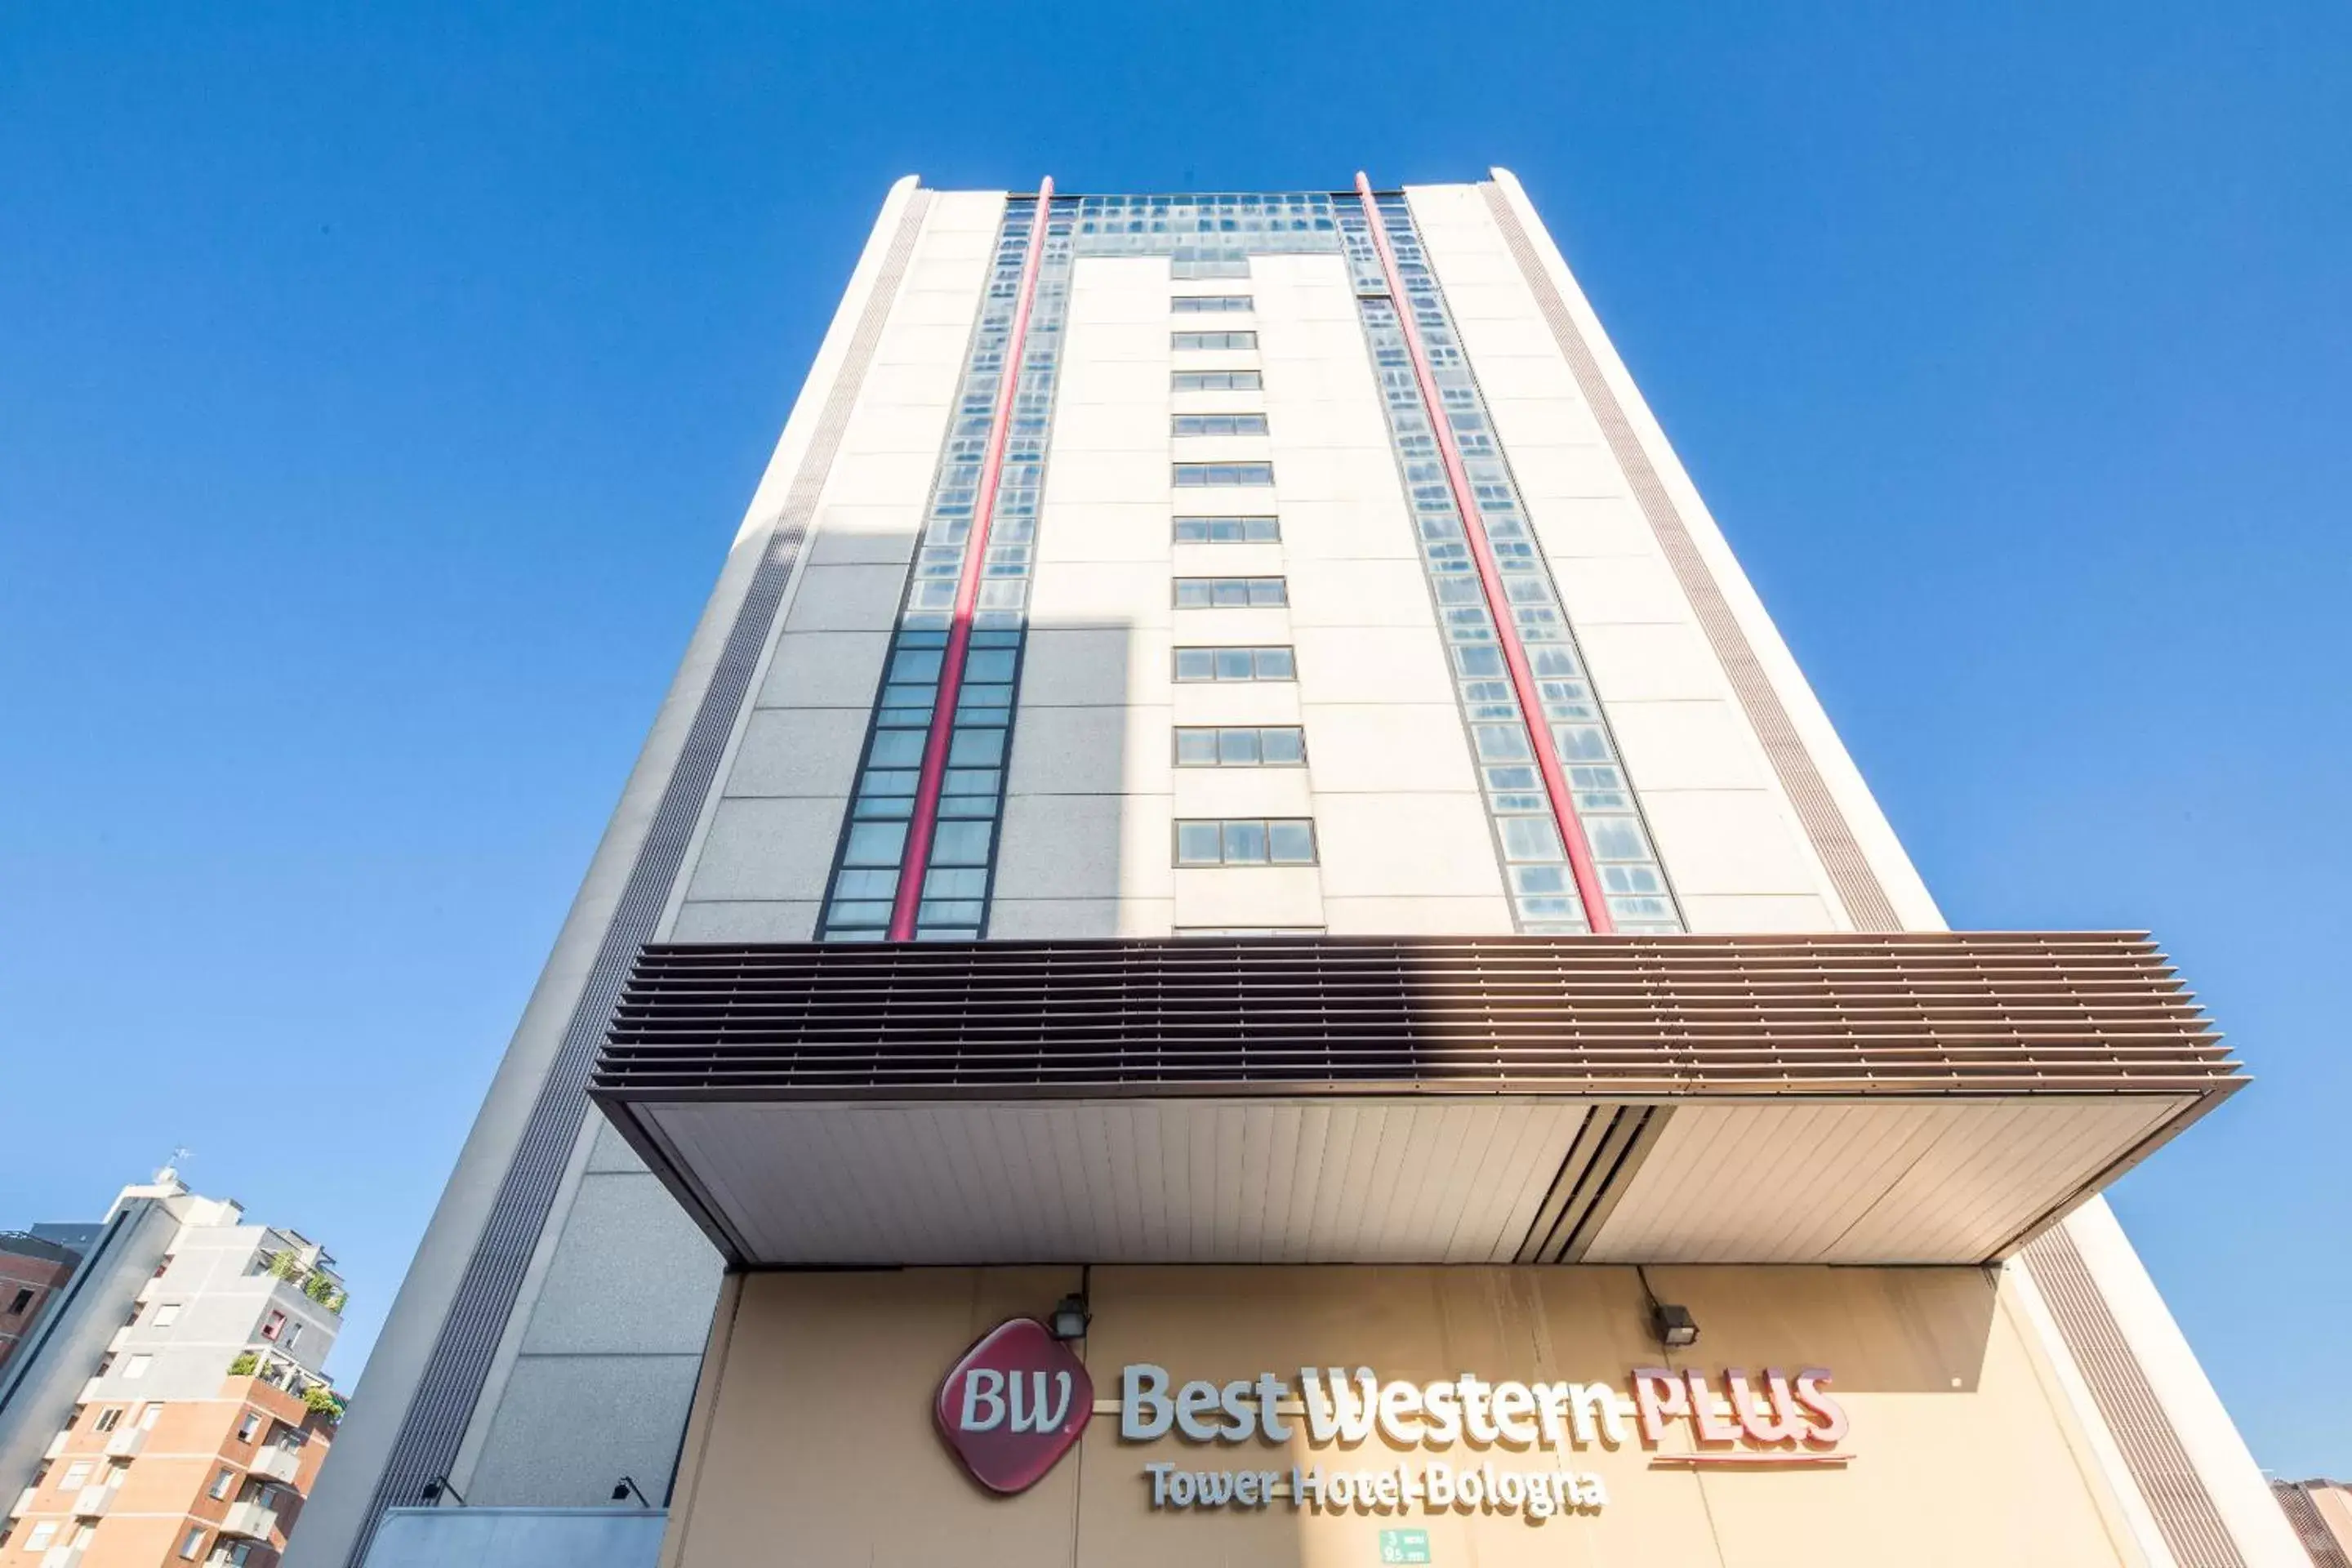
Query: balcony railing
pixel 126 1441
pixel 278 1464
pixel 250 1520
pixel 23 1501
pixel 65 1556
pixel 91 1501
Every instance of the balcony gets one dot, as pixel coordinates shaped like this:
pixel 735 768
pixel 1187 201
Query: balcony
pixel 276 1463
pixel 1930 1098
pixel 89 1395
pixel 23 1503
pixel 91 1501
pixel 56 1445
pixel 65 1556
pixel 125 1441
pixel 250 1519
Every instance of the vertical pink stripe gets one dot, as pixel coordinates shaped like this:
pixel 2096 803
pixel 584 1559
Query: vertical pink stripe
pixel 917 857
pixel 1490 579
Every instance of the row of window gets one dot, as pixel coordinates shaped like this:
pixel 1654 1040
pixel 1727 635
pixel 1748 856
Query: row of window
pixel 1222 476
pixel 1189 267
pixel 1209 304
pixel 1245 841
pixel 1198 664
pixel 1216 381
pixel 1256 530
pixel 1230 592
pixel 1203 341
pixel 1230 746
pixel 1219 424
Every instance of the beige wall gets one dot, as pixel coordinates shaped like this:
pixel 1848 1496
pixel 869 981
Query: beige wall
pixel 813 1439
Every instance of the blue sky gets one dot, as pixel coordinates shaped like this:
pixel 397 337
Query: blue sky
pixel 378 392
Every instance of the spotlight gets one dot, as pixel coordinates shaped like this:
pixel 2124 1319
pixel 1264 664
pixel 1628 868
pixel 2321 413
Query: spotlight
pixel 1674 1325
pixel 1070 1319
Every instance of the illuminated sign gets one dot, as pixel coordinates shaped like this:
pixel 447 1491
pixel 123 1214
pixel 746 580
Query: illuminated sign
pixel 1012 1405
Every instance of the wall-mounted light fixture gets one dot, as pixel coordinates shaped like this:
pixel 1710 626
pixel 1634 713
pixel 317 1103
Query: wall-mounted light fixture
pixel 1070 1318
pixel 439 1484
pixel 625 1488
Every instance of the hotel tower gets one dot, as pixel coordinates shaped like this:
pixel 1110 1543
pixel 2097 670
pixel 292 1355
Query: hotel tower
pixel 1239 941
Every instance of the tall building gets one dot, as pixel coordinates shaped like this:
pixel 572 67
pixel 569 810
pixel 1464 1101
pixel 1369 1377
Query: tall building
pixel 1248 943
pixel 168 1406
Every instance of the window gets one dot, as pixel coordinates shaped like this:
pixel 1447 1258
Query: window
pixel 193 1543
pixel 1181 342
pixel 1230 592
pixel 223 1482
pixel 1220 424
pixel 43 1534
pixel 237 1556
pixel 1228 529
pixel 1248 841
pixel 1236 664
pixel 1205 476
pixel 20 1300
pixel 137 1366
pixel 293 1331
pixel 77 1475
pixel 250 1428
pixel 1208 304
pixel 1282 746
pixel 166 1315
pixel 1216 381
pixel 1208 267
pixel 149 1414
pixel 107 1417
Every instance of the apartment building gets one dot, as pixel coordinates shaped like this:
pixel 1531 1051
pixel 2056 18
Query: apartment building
pixel 32 1268
pixel 171 1408
pixel 1239 938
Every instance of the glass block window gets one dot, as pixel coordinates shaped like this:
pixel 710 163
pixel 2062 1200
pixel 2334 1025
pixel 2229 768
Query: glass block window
pixel 1534 860
pixel 873 847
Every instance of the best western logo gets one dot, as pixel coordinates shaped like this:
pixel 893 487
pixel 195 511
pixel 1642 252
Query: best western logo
pixel 1014 1405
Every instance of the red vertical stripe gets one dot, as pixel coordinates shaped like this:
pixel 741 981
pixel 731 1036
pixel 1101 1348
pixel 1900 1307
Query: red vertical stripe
pixel 919 828
pixel 1490 579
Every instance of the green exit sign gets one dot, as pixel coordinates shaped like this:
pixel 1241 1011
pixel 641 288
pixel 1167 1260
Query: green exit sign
pixel 1404 1546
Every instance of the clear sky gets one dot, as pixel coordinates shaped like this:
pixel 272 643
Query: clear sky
pixel 379 387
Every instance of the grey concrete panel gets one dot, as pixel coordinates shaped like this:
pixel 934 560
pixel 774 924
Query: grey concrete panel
pixel 846 598
pixel 762 922
pixel 768 849
pixel 570 1426
pixel 826 669
pixel 631 1274
pixel 612 1152
pixel 798 752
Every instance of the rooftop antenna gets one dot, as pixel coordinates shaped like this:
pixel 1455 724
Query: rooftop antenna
pixel 171 1171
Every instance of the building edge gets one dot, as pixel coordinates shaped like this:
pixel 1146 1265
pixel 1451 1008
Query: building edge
pixel 342 1511
pixel 2226 1487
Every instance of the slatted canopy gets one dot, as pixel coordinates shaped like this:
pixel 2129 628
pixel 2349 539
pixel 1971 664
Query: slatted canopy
pixel 1931 1097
